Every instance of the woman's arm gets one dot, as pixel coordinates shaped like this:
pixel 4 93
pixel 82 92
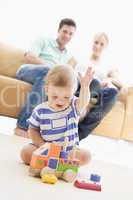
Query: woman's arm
pixel 114 77
pixel 35 136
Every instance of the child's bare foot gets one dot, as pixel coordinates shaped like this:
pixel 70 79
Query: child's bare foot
pixel 21 132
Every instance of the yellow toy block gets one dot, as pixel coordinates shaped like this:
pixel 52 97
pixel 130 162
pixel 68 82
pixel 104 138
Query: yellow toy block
pixel 49 178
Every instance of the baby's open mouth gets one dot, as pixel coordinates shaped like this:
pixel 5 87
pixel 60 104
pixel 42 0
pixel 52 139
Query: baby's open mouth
pixel 59 106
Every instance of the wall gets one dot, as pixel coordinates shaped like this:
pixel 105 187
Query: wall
pixel 22 21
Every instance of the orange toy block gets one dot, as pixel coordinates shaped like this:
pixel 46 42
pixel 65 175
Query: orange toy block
pixel 38 162
pixel 54 150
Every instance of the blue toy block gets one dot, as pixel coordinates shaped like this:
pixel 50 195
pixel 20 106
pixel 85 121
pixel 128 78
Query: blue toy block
pixel 45 153
pixel 63 154
pixel 53 163
pixel 95 178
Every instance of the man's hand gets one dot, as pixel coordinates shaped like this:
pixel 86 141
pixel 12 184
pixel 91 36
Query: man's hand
pixel 72 62
pixel 31 58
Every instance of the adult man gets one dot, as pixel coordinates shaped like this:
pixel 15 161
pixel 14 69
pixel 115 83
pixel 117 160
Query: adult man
pixel 44 54
pixel 48 53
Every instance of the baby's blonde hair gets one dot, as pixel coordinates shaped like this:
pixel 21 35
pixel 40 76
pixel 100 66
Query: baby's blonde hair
pixel 63 76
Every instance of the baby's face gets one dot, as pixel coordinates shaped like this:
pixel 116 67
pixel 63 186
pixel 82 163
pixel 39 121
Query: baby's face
pixel 59 98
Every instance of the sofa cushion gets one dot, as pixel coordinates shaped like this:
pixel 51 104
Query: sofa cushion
pixel 10 59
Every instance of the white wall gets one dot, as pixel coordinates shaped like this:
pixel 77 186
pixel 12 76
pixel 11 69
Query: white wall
pixel 22 21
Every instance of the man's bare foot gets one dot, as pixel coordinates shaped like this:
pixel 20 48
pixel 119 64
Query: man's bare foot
pixel 21 132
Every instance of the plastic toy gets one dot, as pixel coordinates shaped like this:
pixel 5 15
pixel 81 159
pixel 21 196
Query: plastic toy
pixel 94 178
pixel 51 160
pixel 49 178
pixel 87 186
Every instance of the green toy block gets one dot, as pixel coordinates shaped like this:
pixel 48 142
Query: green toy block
pixel 63 167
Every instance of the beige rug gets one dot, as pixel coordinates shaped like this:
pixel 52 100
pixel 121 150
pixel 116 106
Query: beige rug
pixel 15 184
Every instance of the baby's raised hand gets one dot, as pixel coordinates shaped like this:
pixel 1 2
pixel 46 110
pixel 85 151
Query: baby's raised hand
pixel 87 78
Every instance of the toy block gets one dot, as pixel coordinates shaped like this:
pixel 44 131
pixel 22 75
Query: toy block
pixel 38 162
pixel 65 161
pixel 54 150
pixel 75 162
pixel 49 178
pixel 69 175
pixel 61 167
pixel 74 168
pixel 64 166
pixel 87 186
pixel 64 154
pixel 53 163
pixel 41 149
pixel 95 178
pixel 45 152
pixel 34 172
pixel 61 160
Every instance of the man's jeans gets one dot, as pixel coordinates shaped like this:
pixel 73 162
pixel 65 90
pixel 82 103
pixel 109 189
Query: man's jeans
pixel 33 74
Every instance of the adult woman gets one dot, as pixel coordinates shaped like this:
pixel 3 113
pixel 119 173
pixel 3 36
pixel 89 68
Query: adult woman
pixel 103 91
pixel 108 76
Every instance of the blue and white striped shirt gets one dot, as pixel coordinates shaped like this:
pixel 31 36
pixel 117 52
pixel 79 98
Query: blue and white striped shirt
pixel 56 126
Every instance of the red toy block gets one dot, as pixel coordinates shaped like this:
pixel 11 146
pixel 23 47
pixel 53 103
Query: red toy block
pixel 87 186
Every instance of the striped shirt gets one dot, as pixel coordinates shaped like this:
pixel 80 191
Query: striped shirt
pixel 56 126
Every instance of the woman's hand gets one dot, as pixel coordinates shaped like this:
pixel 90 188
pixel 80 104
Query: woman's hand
pixel 105 83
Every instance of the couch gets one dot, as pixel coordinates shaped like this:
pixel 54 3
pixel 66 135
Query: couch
pixel 117 123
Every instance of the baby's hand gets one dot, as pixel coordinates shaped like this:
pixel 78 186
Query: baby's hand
pixel 87 78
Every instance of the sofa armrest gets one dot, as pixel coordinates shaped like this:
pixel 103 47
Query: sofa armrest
pixel 122 95
pixel 127 131
pixel 11 58
pixel 13 94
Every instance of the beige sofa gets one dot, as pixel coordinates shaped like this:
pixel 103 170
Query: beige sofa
pixel 117 124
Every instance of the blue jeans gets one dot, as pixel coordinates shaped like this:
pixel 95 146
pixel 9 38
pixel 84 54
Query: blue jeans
pixel 33 74
pixel 106 99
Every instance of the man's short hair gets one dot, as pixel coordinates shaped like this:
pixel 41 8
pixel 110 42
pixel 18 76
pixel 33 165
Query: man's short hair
pixel 68 22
